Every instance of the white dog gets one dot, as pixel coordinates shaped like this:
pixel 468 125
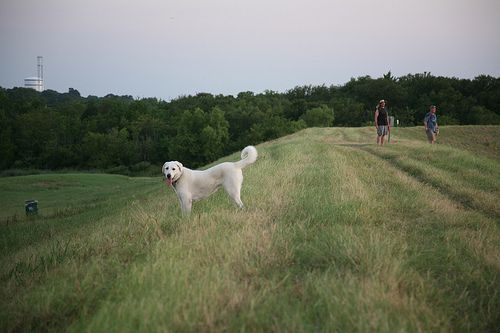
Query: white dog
pixel 192 185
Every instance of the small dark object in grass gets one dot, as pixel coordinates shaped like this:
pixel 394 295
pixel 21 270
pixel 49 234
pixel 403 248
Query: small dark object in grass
pixel 31 207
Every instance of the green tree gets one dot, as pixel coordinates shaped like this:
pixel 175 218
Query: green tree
pixel 349 112
pixel 7 146
pixel 215 135
pixel 319 117
pixel 147 132
pixel 479 115
pixel 107 150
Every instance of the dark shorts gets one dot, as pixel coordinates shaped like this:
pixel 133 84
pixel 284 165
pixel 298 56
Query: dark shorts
pixel 382 130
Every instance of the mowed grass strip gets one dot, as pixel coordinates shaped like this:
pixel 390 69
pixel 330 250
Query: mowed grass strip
pixel 446 244
pixel 57 266
pixel 470 181
pixel 334 237
pixel 481 140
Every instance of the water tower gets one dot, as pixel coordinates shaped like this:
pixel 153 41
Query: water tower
pixel 36 82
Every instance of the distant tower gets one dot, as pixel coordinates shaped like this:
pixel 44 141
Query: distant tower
pixel 36 82
pixel 39 61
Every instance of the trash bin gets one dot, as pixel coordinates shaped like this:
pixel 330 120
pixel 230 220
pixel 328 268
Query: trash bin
pixel 31 207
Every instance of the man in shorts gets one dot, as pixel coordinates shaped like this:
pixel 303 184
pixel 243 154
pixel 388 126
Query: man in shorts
pixel 381 122
pixel 431 125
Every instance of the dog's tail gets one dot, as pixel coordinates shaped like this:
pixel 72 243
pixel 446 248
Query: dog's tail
pixel 248 156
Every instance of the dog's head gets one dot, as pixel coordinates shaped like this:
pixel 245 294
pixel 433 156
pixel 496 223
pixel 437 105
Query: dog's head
pixel 172 171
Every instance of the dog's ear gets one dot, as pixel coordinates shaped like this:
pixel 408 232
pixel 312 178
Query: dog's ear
pixel 163 168
pixel 179 165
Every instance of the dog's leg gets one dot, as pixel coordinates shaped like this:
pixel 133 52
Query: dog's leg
pixel 233 189
pixel 238 201
pixel 186 204
pixel 235 195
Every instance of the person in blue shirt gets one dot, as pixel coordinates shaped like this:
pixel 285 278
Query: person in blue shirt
pixel 431 125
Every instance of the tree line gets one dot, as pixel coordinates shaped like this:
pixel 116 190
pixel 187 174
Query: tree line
pixel 51 130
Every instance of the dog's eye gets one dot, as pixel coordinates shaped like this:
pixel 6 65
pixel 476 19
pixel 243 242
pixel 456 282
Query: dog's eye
pixel 166 168
pixel 173 169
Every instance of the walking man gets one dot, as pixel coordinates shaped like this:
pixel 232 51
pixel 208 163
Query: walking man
pixel 431 125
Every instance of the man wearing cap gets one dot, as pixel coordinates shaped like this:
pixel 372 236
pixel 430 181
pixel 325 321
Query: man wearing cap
pixel 381 122
pixel 431 125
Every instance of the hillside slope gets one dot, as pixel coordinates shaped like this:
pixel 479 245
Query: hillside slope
pixel 338 235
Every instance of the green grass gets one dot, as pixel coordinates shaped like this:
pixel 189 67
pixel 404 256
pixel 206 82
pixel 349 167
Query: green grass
pixel 338 235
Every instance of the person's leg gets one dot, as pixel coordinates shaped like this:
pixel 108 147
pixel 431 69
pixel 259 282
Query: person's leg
pixel 429 136
pixel 383 134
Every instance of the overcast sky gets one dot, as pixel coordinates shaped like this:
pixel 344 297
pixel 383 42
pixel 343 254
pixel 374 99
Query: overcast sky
pixel 163 48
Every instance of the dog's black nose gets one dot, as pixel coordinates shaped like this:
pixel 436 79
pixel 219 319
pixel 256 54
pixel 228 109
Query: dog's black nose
pixel 169 176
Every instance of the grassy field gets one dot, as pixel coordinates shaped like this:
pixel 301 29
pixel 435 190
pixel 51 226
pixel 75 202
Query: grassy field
pixel 339 235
